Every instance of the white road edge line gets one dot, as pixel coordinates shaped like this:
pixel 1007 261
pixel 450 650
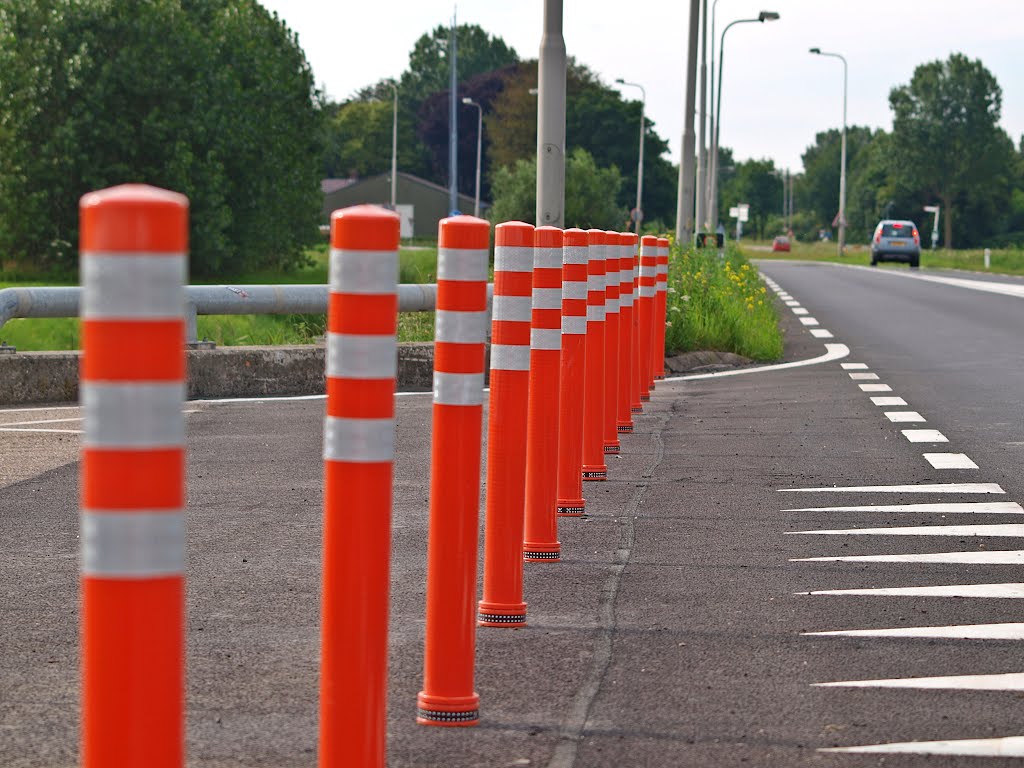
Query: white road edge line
pixel 833 352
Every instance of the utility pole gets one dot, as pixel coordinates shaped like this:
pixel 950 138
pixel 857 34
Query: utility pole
pixel 551 119
pixel 702 154
pixel 453 125
pixel 684 196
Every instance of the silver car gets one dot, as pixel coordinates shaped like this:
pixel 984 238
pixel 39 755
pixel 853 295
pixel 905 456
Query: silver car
pixel 896 241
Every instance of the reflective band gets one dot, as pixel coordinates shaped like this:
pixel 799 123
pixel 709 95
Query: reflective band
pixel 359 440
pixel 547 258
pixel 358 356
pixel 648 270
pixel 611 305
pixel 137 286
pixel 626 276
pixel 510 357
pixel 133 414
pixel 595 313
pixel 575 254
pixel 465 264
pixel 514 308
pixel 574 325
pixel 596 253
pixel 663 269
pixel 545 338
pixel 647 291
pixel 363 271
pixel 129 545
pixel 547 298
pixel 460 327
pixel 595 283
pixel 458 388
pixel 574 290
pixel 513 258
pixel 626 299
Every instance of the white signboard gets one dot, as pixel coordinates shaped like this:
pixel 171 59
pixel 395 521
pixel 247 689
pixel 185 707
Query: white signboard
pixel 741 212
pixel 405 212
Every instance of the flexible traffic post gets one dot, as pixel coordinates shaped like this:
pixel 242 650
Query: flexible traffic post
pixel 540 533
pixel 359 450
pixel 648 277
pixel 611 342
pixel 448 697
pixel 134 264
pixel 627 253
pixel 594 467
pixel 575 255
pixel 502 604
pixel 660 312
pixel 635 403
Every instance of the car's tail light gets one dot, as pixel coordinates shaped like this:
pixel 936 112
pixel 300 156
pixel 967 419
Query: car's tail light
pixel 897 226
pixel 917 238
pixel 878 236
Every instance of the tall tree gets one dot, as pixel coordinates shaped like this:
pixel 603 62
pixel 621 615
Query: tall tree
pixel 946 137
pixel 819 188
pixel 759 185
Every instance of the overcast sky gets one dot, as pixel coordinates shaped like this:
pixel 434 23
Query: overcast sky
pixel 776 94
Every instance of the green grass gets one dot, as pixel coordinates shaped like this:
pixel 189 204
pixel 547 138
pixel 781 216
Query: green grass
pixel 720 304
pixel 1004 261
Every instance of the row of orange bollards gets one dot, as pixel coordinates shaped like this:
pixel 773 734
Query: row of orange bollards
pixel 577 329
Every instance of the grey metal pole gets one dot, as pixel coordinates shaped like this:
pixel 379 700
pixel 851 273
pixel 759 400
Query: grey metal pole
pixel 702 154
pixel 640 161
pixel 551 119
pixel 712 122
pixel 684 196
pixel 453 125
pixel 479 137
pixel 394 150
pixel 842 173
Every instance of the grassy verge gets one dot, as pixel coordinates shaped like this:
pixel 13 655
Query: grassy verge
pixel 1004 261
pixel 720 303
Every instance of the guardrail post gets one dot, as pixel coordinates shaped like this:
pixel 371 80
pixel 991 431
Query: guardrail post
pixel 594 467
pixel 611 342
pixel 359 448
pixel 448 697
pixel 575 255
pixel 648 290
pixel 660 311
pixel 627 252
pixel 540 534
pixel 502 604
pixel 134 243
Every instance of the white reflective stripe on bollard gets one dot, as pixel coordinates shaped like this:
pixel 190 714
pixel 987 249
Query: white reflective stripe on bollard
pixel 359 440
pixel 547 258
pixel 512 308
pixel 462 264
pixel 546 338
pixel 574 325
pixel 361 356
pixel 458 388
pixel 513 258
pixel 133 286
pixel 574 290
pixel 461 327
pixel 595 313
pixel 132 545
pixel 547 298
pixel 510 357
pixel 133 414
pixel 365 272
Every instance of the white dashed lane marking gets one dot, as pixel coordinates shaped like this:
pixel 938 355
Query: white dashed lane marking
pixel 854 366
pixel 904 416
pixel 1001 529
pixel 920 488
pixel 1005 631
pixel 924 436
pixel 821 333
pixel 1009 746
pixel 996 557
pixel 1011 591
pixel 939 508
pixel 950 461
pixel 799 311
pixel 875 388
pixel 808 321
pixel 1008 681
pixel 864 376
pixel 885 401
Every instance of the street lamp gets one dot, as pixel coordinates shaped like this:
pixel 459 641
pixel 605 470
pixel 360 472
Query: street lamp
pixel 842 160
pixel 394 149
pixel 479 137
pixel 640 162
pixel 713 191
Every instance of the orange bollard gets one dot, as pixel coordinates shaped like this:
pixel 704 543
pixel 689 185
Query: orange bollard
pixel 540 534
pixel 448 697
pixel 134 264
pixel 660 311
pixel 575 255
pixel 611 341
pixel 594 467
pixel 359 449
pixel 648 275
pixel 627 252
pixel 635 403
pixel 502 604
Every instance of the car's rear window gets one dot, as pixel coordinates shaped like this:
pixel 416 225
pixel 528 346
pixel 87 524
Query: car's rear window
pixel 897 230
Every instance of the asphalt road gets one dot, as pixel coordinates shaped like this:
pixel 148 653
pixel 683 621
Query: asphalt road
pixel 674 631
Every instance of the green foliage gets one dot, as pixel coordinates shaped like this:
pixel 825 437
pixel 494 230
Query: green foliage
pixel 212 98
pixel 819 187
pixel 757 183
pixel 590 193
pixel 719 303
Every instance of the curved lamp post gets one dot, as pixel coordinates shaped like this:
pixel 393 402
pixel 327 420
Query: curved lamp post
pixel 713 192
pixel 640 162
pixel 842 160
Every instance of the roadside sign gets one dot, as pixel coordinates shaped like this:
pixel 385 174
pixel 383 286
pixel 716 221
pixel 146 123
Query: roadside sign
pixel 741 212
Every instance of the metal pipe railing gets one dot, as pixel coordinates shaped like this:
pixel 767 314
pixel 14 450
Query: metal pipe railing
pixel 213 300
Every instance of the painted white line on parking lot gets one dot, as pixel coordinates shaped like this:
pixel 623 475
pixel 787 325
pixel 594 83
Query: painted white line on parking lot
pixel 875 388
pixel 883 401
pixel 821 333
pixel 1009 591
pixel 800 311
pixel 950 507
pixel 949 461
pixel 854 366
pixel 919 488
pixel 1005 631
pixel 864 376
pixel 833 352
pixel 808 321
pixel 924 436
pixel 996 557
pixel 1006 681
pixel 1008 746
pixel 1009 530
pixel 904 416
